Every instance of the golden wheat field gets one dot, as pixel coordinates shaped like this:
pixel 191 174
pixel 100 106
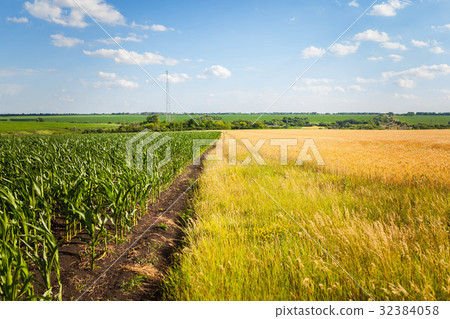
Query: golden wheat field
pixel 389 155
pixel 372 224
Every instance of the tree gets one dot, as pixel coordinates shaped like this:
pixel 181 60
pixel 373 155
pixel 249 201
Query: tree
pixel 153 119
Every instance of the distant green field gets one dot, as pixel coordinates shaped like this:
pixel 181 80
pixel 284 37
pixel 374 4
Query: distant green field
pixel 425 119
pixel 42 127
pixel 66 123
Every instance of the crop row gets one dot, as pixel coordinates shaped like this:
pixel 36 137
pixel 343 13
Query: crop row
pixel 82 182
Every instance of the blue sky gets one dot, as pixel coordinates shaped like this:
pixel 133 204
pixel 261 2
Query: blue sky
pixel 224 56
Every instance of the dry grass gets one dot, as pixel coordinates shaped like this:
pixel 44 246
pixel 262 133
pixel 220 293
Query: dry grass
pixel 385 226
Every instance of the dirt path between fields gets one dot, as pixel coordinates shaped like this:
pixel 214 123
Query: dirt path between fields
pixel 138 274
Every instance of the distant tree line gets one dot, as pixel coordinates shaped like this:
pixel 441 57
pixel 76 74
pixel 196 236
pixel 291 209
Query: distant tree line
pixel 215 122
pixel 225 113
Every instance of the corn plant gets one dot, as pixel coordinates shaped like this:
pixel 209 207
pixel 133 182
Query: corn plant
pixel 83 180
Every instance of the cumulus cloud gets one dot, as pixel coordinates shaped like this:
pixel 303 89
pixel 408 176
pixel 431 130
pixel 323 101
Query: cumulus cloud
pixel 406 83
pixel 353 3
pixel 372 35
pixel 312 51
pixel 68 13
pixel 153 27
pixel 445 27
pixel 393 46
pixel 407 79
pixel 59 40
pixel 437 50
pixel 121 56
pixel 356 88
pixel 343 50
pixel 108 76
pixel 114 82
pixel 364 80
pixel 132 37
pixel 218 71
pixel 396 57
pixel 420 44
pixel 389 8
pixel 17 20
pixel 375 58
pixel 174 78
pixel 423 72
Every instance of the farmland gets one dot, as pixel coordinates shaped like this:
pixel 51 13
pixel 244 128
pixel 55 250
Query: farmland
pixel 80 183
pixel 47 127
pixel 370 225
pixel 51 124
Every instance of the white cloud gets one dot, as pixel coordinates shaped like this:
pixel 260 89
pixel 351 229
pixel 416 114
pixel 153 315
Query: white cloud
pixel 445 27
pixel 322 90
pixel 114 81
pixel 428 72
pixel 437 50
pixel 396 57
pixel 309 81
pixel 108 76
pixel 201 76
pixel 68 13
pixel 132 37
pixel 119 83
pixel 353 3
pixel 393 46
pixel 389 9
pixel 61 41
pixel 420 44
pixel 311 52
pixel 405 96
pixel 130 57
pixel 372 35
pixel 174 78
pixel 292 19
pixel 218 71
pixel 375 58
pixel 356 88
pixel 153 27
pixel 122 83
pixel 363 80
pixel 406 83
pixel 17 20
pixel 343 50
pixel 407 79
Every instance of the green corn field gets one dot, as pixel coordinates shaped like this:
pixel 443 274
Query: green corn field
pixel 82 181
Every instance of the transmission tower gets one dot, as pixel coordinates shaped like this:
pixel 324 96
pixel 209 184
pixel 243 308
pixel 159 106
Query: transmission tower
pixel 168 117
